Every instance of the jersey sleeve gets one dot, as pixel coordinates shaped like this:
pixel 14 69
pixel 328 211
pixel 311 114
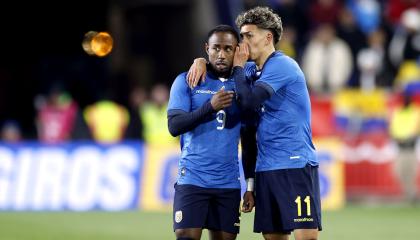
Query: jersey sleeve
pixel 276 74
pixel 250 69
pixel 180 96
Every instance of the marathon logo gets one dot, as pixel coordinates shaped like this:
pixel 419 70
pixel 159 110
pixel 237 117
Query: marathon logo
pixel 205 91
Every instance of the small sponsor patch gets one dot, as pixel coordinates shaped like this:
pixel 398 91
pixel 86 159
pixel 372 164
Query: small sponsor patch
pixel 295 157
pixel 178 216
pixel 205 91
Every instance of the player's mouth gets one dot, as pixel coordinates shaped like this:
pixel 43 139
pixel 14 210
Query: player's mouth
pixel 221 64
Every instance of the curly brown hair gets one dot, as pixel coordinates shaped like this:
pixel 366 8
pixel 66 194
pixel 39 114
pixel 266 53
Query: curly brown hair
pixel 262 17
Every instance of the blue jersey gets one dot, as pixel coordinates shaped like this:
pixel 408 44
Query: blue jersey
pixel 209 153
pixel 284 134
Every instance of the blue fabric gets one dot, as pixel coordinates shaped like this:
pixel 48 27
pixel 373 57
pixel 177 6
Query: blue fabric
pixel 276 193
pixel 366 13
pixel 180 122
pixel 209 152
pixel 284 134
pixel 210 208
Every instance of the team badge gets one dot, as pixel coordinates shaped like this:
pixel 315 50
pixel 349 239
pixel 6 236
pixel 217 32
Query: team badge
pixel 178 216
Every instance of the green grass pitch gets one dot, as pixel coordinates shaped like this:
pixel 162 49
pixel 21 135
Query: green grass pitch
pixel 352 222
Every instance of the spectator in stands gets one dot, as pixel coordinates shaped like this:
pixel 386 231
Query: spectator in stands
pixel 287 43
pixel 327 61
pixel 292 13
pixel 395 8
pixel 405 43
pixel 367 14
pixel 375 69
pixel 408 76
pixel 324 12
pixel 135 128
pixel 56 116
pixel 154 117
pixel 107 120
pixel 11 132
pixel 405 129
pixel 349 31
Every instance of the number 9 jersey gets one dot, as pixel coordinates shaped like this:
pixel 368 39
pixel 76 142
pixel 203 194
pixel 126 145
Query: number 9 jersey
pixel 209 152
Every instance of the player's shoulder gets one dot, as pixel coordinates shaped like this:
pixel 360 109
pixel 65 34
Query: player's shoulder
pixel 282 59
pixel 279 56
pixel 181 79
pixel 181 76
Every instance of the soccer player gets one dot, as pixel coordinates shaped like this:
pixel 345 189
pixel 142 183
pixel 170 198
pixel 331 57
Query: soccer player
pixel 287 185
pixel 207 191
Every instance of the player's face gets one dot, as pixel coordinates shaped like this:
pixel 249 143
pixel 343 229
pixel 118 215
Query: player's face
pixel 256 38
pixel 221 49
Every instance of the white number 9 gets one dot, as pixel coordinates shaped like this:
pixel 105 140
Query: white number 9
pixel 221 119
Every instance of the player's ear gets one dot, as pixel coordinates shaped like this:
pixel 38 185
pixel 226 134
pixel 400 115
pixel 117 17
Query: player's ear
pixel 269 37
pixel 207 48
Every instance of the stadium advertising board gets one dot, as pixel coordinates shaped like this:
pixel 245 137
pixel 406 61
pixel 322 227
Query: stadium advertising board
pixel 129 175
pixel 73 176
pixel 161 171
pixel 331 172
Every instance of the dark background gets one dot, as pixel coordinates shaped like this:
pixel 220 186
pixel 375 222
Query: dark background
pixel 40 47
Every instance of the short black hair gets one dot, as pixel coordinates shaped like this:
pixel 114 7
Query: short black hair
pixel 223 28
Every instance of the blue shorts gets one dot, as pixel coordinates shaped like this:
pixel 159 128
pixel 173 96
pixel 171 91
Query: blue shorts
pixel 287 199
pixel 212 208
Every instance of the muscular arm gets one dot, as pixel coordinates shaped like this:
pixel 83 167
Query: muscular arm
pixel 249 99
pixel 180 122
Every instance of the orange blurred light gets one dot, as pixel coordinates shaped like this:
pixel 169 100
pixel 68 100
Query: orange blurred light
pixel 97 43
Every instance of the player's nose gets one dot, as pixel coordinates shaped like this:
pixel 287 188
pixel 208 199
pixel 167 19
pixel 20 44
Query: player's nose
pixel 222 55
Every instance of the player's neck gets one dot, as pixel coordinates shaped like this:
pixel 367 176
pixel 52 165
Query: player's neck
pixel 216 74
pixel 264 56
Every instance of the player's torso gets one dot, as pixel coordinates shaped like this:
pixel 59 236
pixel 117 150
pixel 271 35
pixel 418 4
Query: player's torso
pixel 210 150
pixel 284 132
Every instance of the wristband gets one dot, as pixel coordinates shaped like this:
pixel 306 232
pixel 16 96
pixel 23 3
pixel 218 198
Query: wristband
pixel 249 184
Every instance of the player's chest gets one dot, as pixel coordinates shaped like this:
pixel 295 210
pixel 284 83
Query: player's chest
pixel 203 93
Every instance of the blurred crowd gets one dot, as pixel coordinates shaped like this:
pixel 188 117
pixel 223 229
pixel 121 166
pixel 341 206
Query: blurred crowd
pixel 364 44
pixel 60 119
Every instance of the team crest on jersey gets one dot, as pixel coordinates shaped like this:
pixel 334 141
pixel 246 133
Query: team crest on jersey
pixel 178 216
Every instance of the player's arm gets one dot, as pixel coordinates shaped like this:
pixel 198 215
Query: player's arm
pixel 180 121
pixel 197 72
pixel 249 150
pixel 249 157
pixel 249 98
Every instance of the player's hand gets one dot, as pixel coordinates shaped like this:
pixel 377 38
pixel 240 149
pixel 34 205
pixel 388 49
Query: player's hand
pixel 241 55
pixel 221 99
pixel 197 72
pixel 249 202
